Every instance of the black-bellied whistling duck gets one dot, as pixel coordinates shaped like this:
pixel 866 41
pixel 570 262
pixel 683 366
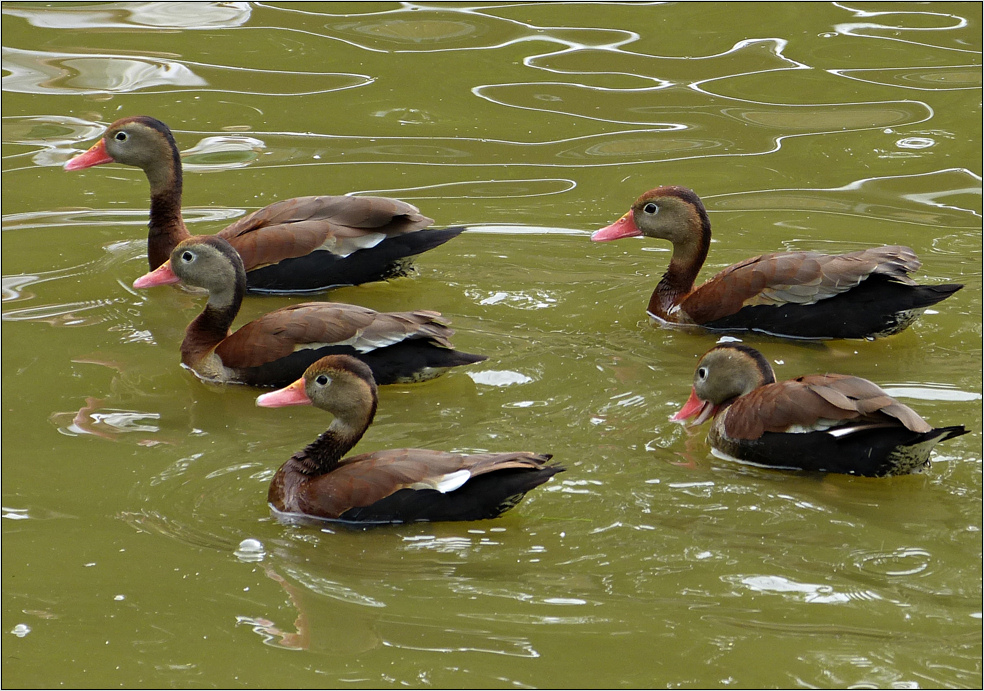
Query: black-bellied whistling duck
pixel 862 294
pixel 824 422
pixel 276 348
pixel 297 245
pixel 392 486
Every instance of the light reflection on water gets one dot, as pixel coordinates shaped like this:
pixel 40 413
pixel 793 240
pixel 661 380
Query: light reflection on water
pixel 826 127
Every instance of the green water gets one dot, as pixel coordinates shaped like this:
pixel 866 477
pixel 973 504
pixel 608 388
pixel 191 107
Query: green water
pixel 128 485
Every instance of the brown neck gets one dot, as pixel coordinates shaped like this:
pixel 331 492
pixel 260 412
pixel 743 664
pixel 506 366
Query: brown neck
pixel 688 256
pixel 167 227
pixel 675 285
pixel 208 330
pixel 226 285
pixel 323 454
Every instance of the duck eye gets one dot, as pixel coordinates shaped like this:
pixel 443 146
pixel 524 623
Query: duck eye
pixel 187 257
pixel 650 208
pixel 322 380
pixel 702 373
pixel 121 136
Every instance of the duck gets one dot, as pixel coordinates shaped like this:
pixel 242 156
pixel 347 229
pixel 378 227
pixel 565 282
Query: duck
pixel 275 349
pixel 394 485
pixel 799 295
pixel 832 423
pixel 300 245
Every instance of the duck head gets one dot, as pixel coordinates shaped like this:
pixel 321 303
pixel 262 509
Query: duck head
pixel 723 374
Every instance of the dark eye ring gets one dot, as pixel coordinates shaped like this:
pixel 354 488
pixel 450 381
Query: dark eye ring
pixel 187 256
pixel 650 208
pixel 322 380
pixel 121 136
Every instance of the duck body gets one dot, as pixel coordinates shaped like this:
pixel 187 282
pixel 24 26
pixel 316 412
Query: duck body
pixel 275 349
pixel 832 423
pixel 809 295
pixel 390 258
pixel 391 486
pixel 305 244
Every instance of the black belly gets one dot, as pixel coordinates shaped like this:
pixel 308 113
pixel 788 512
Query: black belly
pixel 412 360
pixel 321 270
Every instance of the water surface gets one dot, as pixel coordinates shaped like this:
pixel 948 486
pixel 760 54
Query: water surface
pixel 129 486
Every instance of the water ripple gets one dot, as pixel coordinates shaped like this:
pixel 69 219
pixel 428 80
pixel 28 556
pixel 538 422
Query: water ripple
pixel 420 29
pixel 881 199
pixel 948 78
pixel 64 314
pixel 48 130
pixel 127 15
pixel 905 27
pixel 329 588
pixel 40 72
pixel 905 561
pixel 823 126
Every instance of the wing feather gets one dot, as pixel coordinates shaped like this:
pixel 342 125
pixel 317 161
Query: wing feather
pixel 315 324
pixel 338 224
pixel 794 277
pixel 814 402
pixel 364 479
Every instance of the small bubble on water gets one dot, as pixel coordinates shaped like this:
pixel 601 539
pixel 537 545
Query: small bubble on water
pixel 21 630
pixel 250 550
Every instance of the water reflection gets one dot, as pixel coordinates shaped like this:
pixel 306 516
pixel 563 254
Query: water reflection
pixel 127 15
pixel 328 588
pixel 48 130
pixel 103 422
pixel 807 592
pixel 226 152
pixel 41 72
pixel 424 637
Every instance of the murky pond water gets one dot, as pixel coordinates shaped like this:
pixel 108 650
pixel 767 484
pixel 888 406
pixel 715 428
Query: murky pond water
pixel 129 486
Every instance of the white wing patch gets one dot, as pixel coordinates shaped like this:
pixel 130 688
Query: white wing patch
pixel 365 344
pixel 838 428
pixel 345 246
pixel 448 482
pixel 852 429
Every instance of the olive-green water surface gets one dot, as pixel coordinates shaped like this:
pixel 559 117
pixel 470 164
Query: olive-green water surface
pixel 129 486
